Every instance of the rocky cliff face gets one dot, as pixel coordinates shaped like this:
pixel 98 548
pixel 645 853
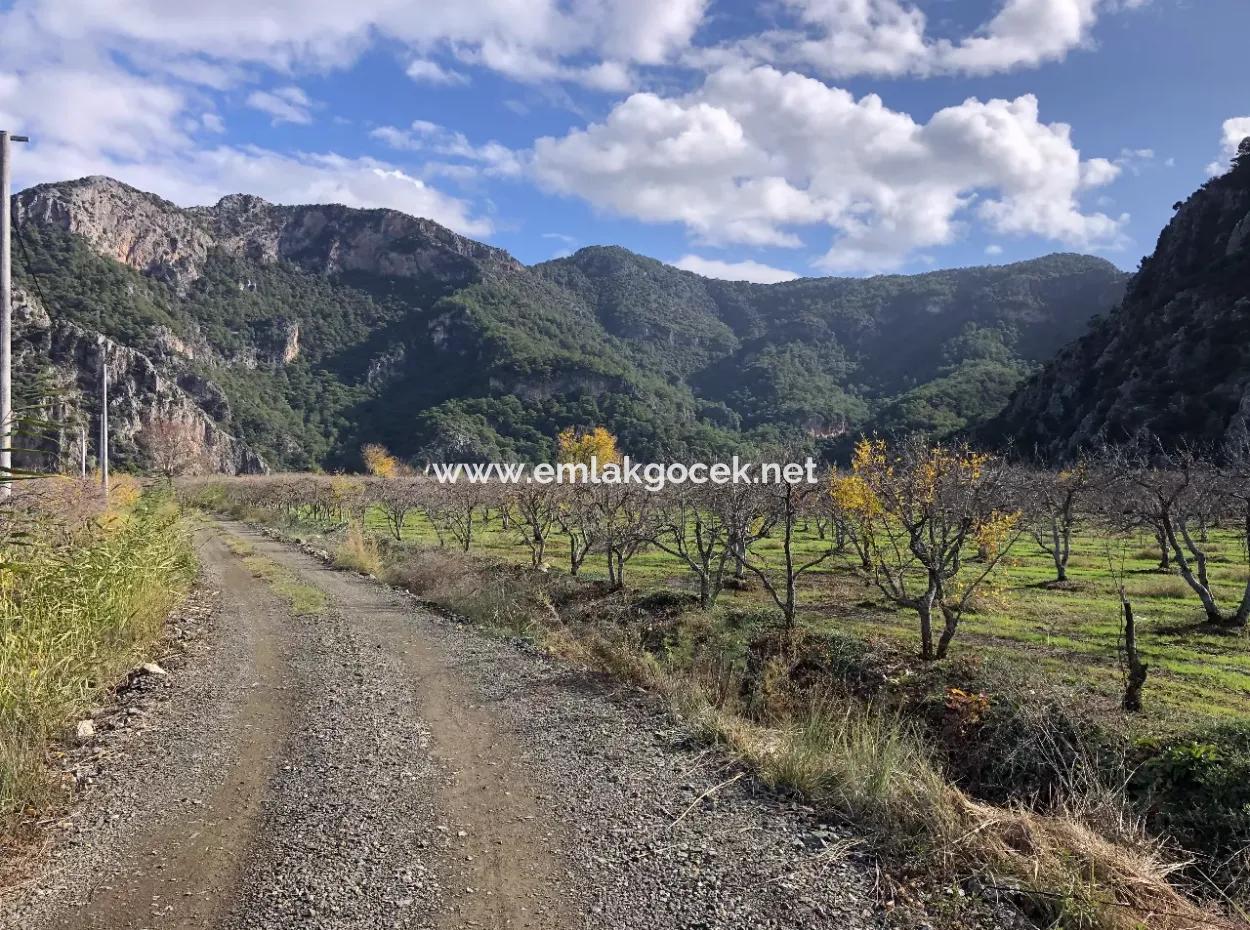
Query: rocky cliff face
pixel 65 406
pixel 1173 360
pixel 172 244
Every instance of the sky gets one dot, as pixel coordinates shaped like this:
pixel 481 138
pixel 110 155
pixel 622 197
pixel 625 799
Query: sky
pixel 746 140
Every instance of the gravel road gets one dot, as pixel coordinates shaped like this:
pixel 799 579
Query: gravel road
pixel 379 766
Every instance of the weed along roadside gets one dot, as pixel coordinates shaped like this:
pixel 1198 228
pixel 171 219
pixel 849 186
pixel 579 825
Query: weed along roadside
pixel 956 773
pixel 85 589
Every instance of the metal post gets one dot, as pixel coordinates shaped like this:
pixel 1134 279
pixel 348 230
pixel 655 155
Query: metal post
pixel 6 317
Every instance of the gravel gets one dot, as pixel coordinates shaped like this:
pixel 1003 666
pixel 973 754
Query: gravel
pixel 383 766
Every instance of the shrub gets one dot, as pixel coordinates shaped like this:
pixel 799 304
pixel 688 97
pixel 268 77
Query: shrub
pixel 1196 790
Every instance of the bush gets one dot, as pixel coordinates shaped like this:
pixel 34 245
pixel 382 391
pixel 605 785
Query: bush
pixel 1196 790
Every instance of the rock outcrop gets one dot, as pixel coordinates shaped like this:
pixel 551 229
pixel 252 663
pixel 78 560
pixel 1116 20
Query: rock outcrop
pixel 172 244
pixel 1173 360
pixel 141 394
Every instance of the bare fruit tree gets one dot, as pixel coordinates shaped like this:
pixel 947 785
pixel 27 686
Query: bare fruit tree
pixel 531 511
pixel 1177 495
pixel 1053 501
pixel 930 505
pixel 705 526
pixel 782 504
pixel 620 515
pixel 170 448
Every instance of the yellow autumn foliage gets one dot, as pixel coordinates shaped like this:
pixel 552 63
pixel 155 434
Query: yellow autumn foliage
pixel 378 461
pixel 581 446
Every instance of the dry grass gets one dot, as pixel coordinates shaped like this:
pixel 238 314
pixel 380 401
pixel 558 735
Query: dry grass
pixel 1172 587
pixel 359 551
pixel 82 596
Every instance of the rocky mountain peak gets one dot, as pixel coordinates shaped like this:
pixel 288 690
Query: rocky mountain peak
pixel 242 203
pixel 172 243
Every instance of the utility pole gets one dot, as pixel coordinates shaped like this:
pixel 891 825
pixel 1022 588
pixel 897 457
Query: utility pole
pixel 6 317
pixel 104 415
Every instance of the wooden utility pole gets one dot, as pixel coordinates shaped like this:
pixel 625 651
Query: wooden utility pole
pixel 6 317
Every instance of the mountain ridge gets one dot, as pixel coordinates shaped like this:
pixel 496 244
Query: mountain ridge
pixel 325 326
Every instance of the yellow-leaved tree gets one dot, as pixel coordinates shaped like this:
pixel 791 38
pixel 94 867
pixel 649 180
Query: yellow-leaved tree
pixel 378 461
pixel 924 513
pixel 579 447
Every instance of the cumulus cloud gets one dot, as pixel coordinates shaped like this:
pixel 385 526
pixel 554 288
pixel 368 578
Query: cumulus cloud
pixel 200 176
pixel 106 121
pixel 841 38
pixel 1233 131
pixel 284 104
pixel 748 270
pixel 126 90
pixel 756 153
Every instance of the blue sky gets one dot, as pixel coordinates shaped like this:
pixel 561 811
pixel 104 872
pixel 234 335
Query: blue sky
pixel 757 140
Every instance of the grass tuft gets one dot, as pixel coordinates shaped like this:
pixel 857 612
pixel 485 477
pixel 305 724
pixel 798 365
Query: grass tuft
pixel 359 551
pixel 305 600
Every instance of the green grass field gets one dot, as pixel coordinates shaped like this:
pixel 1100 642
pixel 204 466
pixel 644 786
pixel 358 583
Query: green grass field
pixel 1066 634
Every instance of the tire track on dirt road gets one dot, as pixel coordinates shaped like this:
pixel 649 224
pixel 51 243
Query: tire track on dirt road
pixel 164 846
pixel 378 766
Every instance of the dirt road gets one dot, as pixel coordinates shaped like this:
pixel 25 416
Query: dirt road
pixel 377 766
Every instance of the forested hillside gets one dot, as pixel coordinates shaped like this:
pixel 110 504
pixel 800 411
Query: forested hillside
pixel 307 331
pixel 1173 362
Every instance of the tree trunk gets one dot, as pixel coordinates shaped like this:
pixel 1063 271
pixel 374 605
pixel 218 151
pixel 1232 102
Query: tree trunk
pixel 1136 668
pixel 948 632
pixel 924 607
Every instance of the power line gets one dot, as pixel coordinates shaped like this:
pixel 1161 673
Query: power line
pixel 27 263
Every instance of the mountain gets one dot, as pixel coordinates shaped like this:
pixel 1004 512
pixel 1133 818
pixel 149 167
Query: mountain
pixel 288 336
pixel 1173 360
pixel 931 351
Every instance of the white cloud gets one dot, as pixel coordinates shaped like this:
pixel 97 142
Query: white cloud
pixel 284 104
pixel 96 106
pixel 993 250
pixel 1235 130
pixel 199 176
pixel 592 41
pixel 1232 132
pixel 747 270
pixel 841 38
pixel 105 121
pixel 424 71
pixel 422 135
pixel 755 153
